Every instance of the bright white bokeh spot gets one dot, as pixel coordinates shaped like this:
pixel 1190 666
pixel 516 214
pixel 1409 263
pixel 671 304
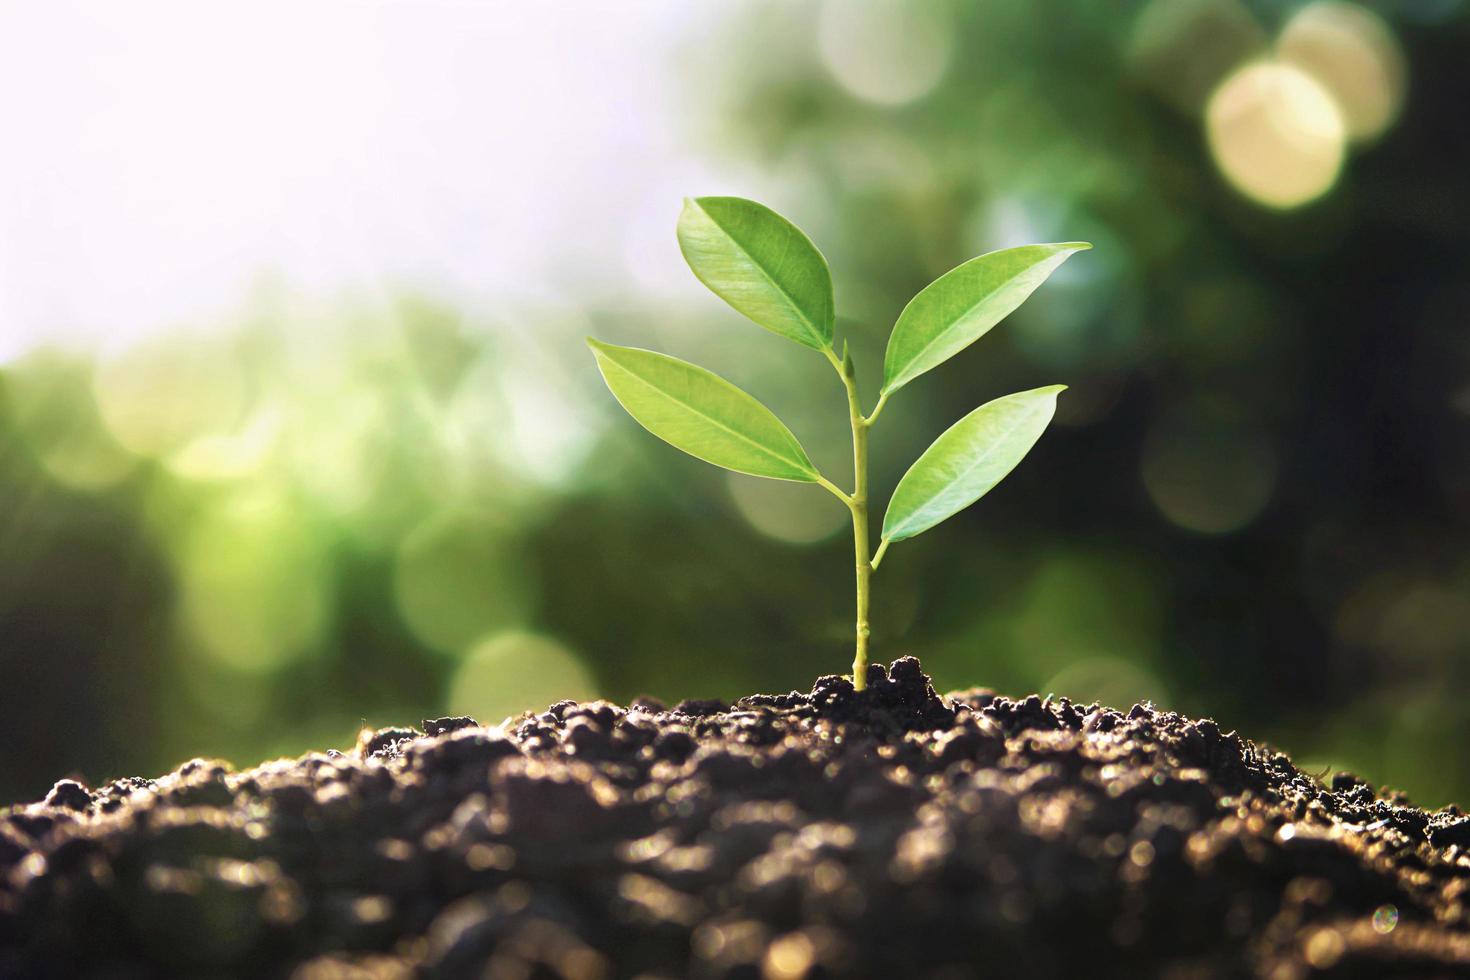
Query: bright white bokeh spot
pixel 506 674
pixel 888 52
pixel 1352 52
pixel 547 432
pixel 229 455
pixel 520 411
pixel 160 155
pixel 1276 134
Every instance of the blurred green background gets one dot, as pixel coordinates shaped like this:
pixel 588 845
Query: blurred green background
pixel 298 432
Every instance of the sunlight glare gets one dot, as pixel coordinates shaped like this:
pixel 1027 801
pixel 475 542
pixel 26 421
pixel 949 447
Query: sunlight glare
pixel 1276 134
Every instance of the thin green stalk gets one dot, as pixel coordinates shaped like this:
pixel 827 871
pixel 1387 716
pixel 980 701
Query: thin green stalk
pixel 857 503
pixel 834 489
pixel 882 400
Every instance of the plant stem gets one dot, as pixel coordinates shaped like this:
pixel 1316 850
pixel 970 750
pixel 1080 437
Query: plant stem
pixel 835 490
pixel 882 400
pixel 857 503
pixel 859 508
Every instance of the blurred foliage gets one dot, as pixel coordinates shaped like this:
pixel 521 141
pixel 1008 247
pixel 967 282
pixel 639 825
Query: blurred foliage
pixel 251 539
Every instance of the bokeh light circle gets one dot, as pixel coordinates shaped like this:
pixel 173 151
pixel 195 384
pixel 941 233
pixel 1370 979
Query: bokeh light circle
pixel 458 577
pixel 517 415
pixel 1182 48
pixel 1417 620
pixel 794 513
pixel 1082 604
pixel 1086 316
pixel 51 407
pixel 516 671
pixel 1107 680
pixel 162 393
pixel 1208 479
pixel 229 455
pixel 888 52
pixel 1354 55
pixel 254 582
pixel 1276 134
pixel 339 443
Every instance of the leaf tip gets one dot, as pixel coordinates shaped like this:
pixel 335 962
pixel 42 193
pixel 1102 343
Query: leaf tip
pixel 688 212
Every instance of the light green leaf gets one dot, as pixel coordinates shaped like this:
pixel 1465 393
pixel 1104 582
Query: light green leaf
pixel 702 414
pixel 972 456
pixel 961 306
pixel 761 264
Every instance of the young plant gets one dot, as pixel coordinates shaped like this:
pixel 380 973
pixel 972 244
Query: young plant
pixel 767 269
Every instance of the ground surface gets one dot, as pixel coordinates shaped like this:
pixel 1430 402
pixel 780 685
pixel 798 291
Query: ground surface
pixel 891 833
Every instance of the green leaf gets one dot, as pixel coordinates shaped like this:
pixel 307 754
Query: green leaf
pixel 761 264
pixel 702 414
pixel 972 456
pixel 961 306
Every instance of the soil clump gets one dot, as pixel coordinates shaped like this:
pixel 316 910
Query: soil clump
pixel 885 833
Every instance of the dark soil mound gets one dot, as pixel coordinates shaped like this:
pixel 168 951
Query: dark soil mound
pixel 891 833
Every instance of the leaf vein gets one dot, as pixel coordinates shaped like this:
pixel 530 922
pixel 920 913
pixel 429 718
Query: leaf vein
pixel 687 406
pixel 954 323
pixel 989 451
pixel 813 332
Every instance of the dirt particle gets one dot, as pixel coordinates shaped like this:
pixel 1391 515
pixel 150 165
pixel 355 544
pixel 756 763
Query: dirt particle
pixel 490 857
pixel 372 909
pixel 1324 948
pixel 282 904
pixel 443 726
pixel 789 957
pixel 68 794
pixel 513 897
pixel 730 943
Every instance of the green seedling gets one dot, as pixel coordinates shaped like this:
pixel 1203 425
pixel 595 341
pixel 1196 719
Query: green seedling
pixel 768 270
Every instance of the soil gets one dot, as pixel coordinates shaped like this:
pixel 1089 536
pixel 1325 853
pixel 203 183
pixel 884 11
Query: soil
pixel 887 833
